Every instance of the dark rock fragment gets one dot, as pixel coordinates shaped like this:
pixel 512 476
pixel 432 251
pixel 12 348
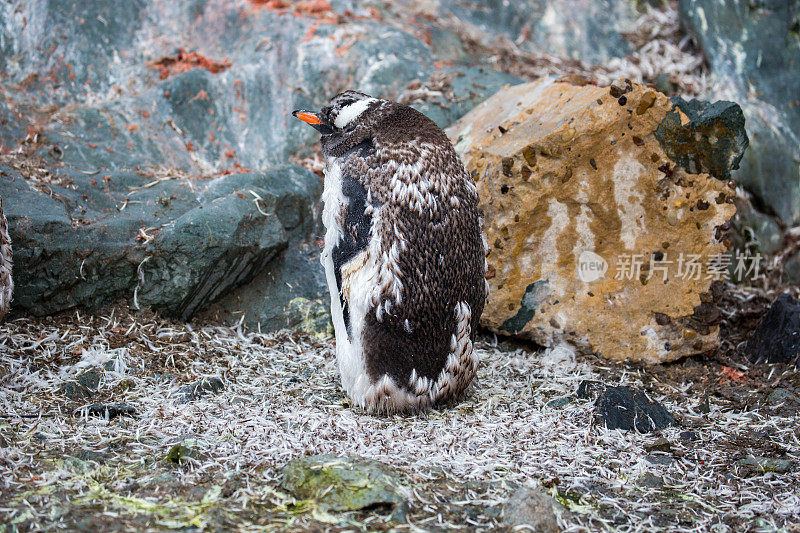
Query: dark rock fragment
pixel 107 411
pixel 588 390
pixel 777 337
pixel 713 141
pixel 623 408
pixel 196 390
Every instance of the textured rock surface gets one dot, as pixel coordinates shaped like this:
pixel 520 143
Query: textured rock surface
pixel 533 510
pixel 713 140
pixel 575 176
pixel 754 53
pixel 170 243
pixel 626 409
pixel 591 30
pixel 342 483
pixel 99 100
pixel 777 338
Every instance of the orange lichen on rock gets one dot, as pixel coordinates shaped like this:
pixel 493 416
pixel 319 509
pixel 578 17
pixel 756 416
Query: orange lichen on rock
pixel 183 61
pixel 274 5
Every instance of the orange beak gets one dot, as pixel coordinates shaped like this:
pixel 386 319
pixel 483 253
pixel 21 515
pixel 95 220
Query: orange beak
pixel 308 117
pixel 314 120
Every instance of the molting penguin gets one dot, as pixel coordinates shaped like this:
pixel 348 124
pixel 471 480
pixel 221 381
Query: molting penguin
pixel 404 257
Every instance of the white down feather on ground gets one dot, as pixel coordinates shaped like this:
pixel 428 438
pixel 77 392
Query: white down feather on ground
pixel 522 425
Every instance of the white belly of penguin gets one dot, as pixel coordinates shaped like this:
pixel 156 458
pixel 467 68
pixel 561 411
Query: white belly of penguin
pixel 355 289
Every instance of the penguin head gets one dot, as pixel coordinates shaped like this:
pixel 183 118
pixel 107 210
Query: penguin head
pixel 346 121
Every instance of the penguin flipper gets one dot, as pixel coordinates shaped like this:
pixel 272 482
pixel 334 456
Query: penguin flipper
pixel 355 236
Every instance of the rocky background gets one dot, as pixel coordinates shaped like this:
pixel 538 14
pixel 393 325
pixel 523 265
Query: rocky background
pixel 163 208
pixel 148 153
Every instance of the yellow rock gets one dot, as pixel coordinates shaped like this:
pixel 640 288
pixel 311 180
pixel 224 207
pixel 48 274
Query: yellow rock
pixel 578 183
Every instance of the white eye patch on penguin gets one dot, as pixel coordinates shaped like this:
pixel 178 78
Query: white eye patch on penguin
pixel 349 113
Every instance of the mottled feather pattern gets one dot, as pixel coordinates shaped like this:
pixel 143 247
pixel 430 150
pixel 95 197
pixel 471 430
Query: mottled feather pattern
pixel 425 258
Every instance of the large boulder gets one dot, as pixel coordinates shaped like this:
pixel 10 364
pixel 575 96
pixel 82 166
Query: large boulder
pixel 754 54
pixel 596 236
pixel 162 241
pixel 204 86
pixel 589 30
pixel 144 146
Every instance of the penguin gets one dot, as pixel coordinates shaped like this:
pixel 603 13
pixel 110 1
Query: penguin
pixel 404 256
pixel 6 282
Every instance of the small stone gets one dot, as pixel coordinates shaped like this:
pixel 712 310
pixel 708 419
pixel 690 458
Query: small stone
pixel 766 464
pixel 534 509
pixel 619 87
pixel 588 390
pixel 659 459
pixel 650 481
pixel 777 337
pixel 196 390
pixel 646 102
pixel 659 445
pixel 558 403
pixel 342 483
pixel 530 155
pixel 697 145
pixel 107 411
pixel 90 379
pixel 75 391
pixel 187 450
pixel 780 395
pixel 689 436
pixel 623 408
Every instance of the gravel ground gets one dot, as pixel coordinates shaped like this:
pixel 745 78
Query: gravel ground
pixel 730 463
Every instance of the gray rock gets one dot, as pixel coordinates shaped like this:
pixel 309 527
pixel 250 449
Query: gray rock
pixel 781 395
pixel 627 409
pixel 754 231
pixel 196 390
pixel 174 246
pixel 759 465
pixel 105 116
pixel 713 141
pixel 534 509
pixel 582 29
pixel 340 483
pixel 754 54
pixel 792 269
pixel 466 88
pixel 777 337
